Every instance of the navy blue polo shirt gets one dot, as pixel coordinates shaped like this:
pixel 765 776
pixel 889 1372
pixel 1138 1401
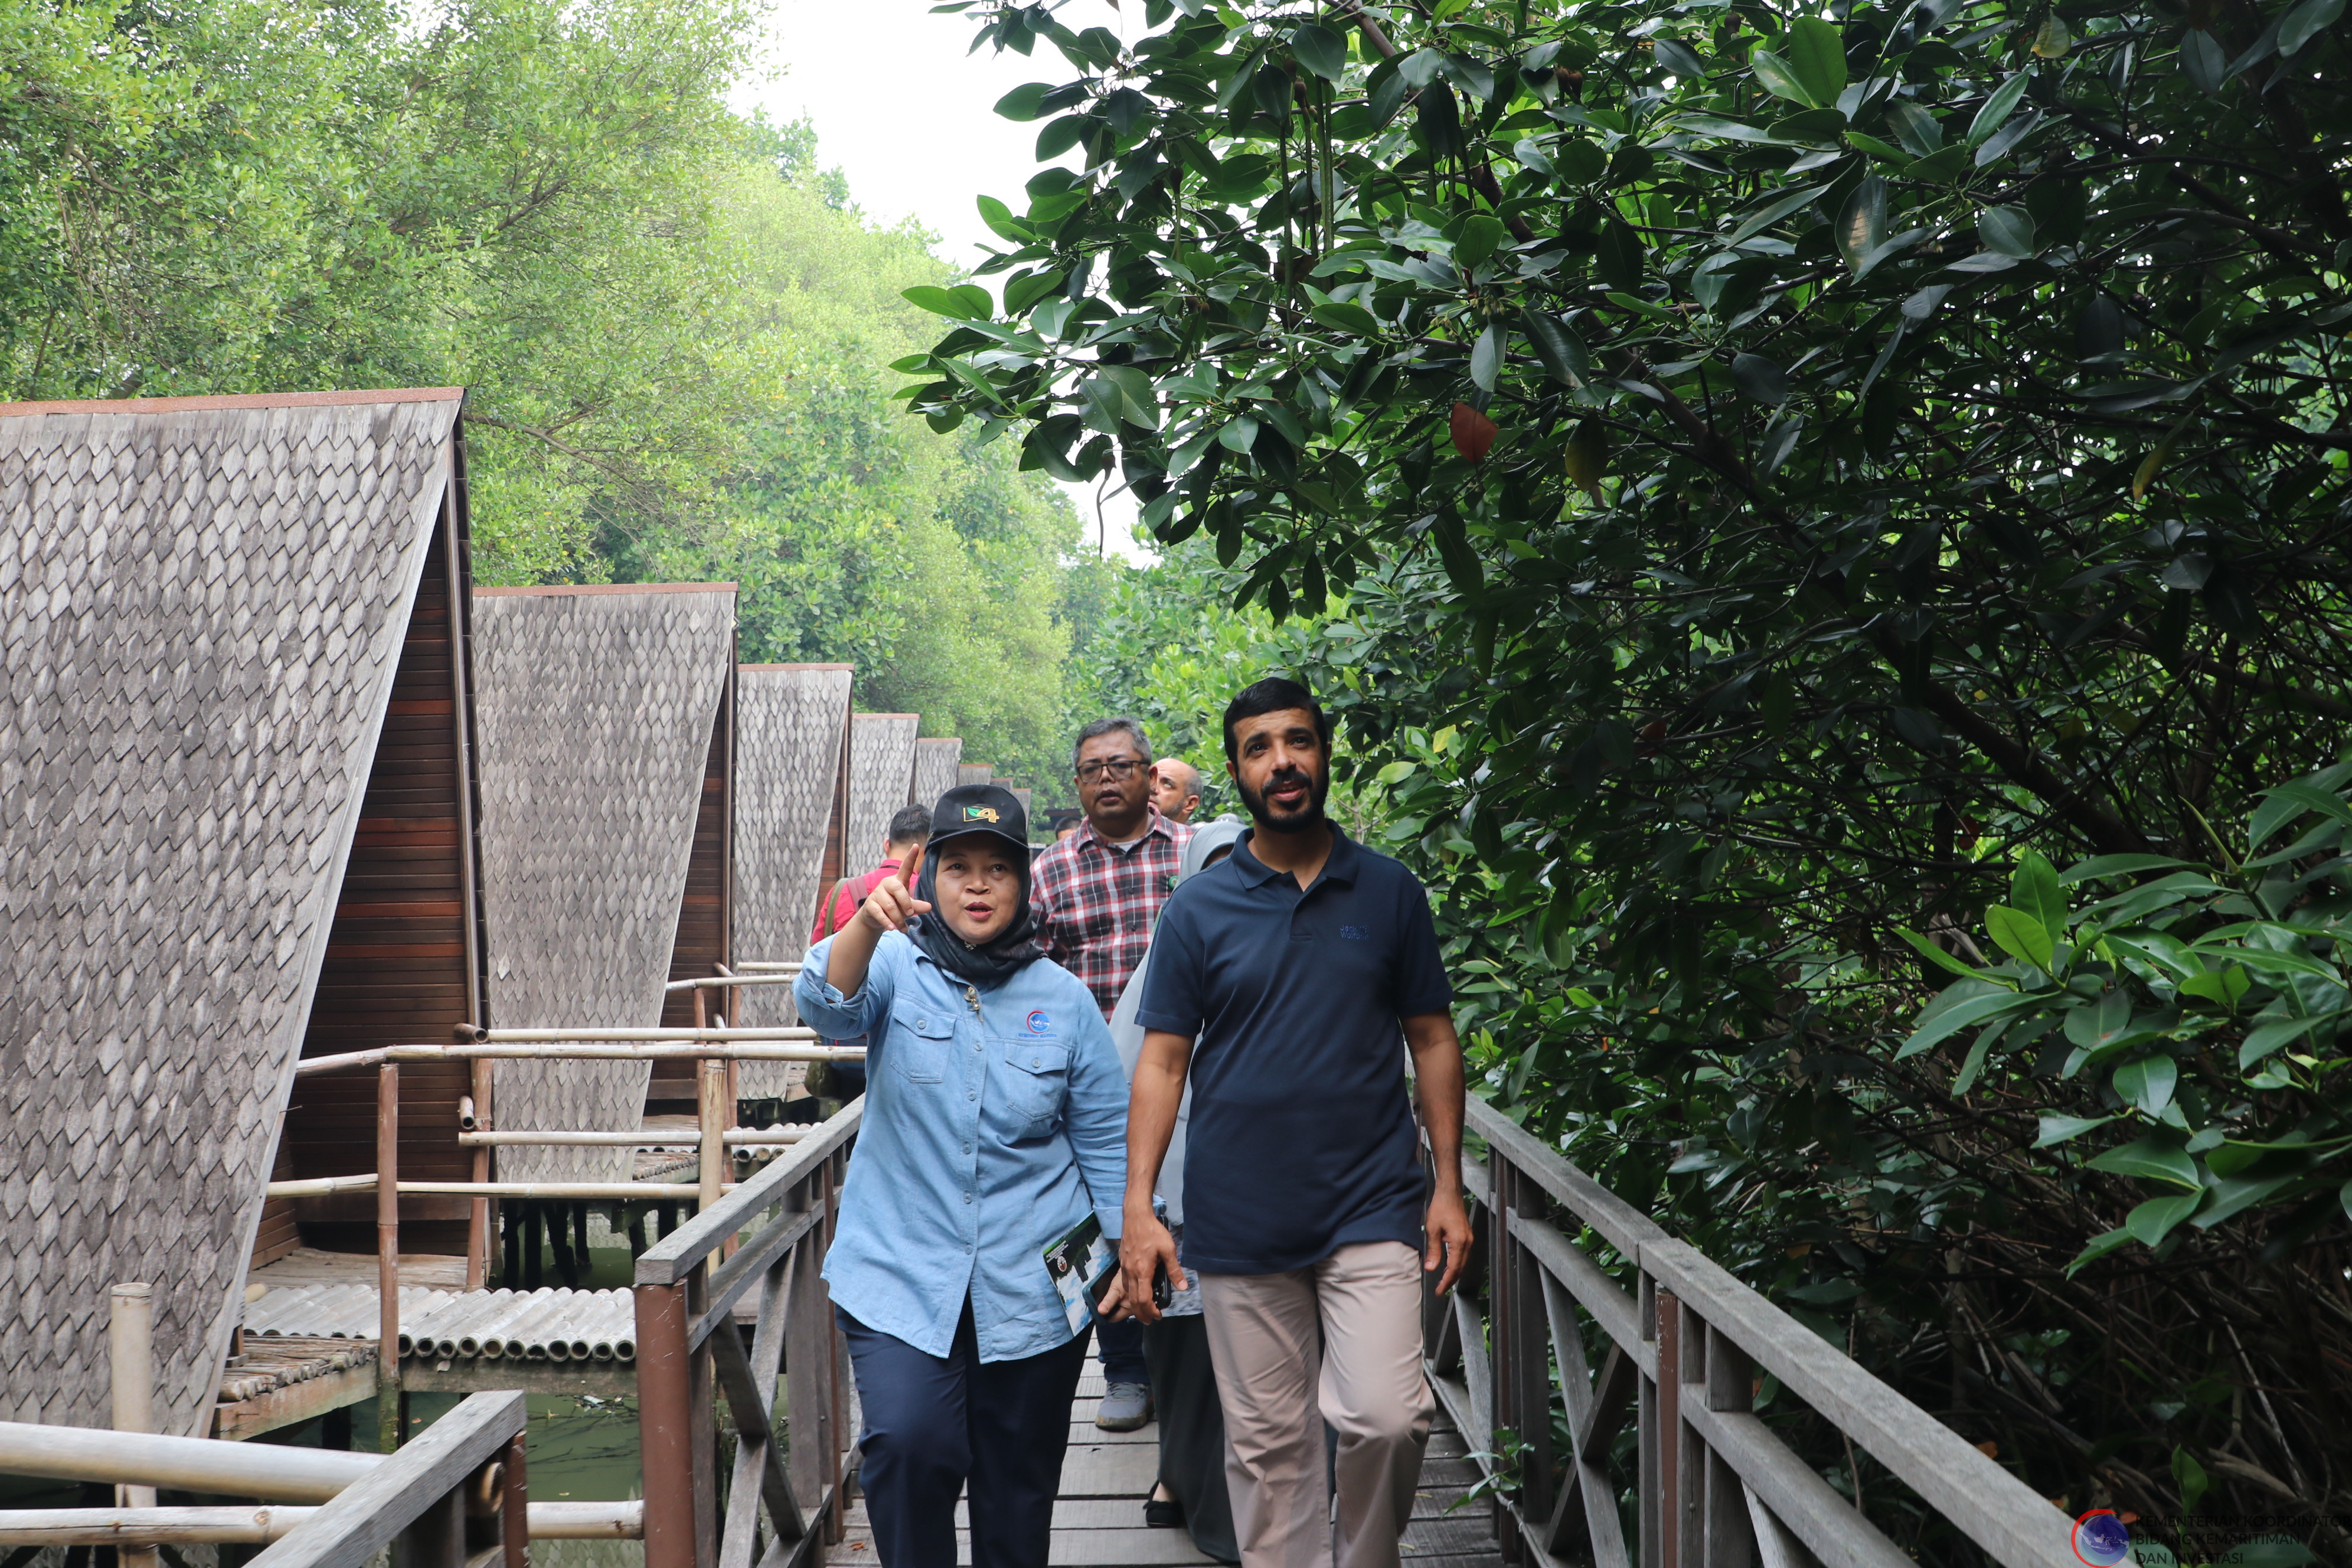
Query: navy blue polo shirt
pixel 1302 1136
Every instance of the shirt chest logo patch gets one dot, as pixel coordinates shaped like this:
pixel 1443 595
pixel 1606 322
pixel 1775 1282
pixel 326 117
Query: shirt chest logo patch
pixel 1039 1024
pixel 1357 933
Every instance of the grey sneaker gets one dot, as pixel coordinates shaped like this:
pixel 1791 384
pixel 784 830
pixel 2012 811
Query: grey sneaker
pixel 1126 1406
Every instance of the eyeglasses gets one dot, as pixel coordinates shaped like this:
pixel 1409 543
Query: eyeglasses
pixel 1091 772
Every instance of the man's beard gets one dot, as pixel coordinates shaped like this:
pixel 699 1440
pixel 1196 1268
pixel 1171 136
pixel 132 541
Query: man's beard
pixel 1302 821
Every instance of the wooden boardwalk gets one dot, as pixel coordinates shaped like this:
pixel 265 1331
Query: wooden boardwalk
pixel 1098 1523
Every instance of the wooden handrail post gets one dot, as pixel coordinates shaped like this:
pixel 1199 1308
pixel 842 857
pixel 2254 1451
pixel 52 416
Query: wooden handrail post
pixel 1730 1534
pixel 1688 1498
pixel 1661 1413
pixel 387 1257
pixel 130 1356
pixel 665 1424
pixel 478 1229
pixel 514 1526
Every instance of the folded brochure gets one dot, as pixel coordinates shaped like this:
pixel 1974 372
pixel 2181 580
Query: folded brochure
pixel 1080 1260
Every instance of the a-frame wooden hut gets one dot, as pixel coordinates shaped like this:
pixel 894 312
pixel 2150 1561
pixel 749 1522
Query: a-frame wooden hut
pixel 792 793
pixel 606 747
pixel 937 765
pixel 232 643
pixel 974 772
pixel 881 780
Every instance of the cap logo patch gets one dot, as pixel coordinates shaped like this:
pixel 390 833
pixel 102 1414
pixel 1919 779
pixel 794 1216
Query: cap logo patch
pixel 980 814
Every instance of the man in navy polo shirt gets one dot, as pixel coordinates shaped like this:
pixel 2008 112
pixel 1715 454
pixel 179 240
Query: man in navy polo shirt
pixel 1307 966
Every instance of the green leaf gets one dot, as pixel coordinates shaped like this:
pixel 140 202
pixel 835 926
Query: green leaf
pixel 1345 316
pixel 2265 1039
pixel 2283 804
pixel 2020 935
pixel 1779 78
pixel 2151 1221
pixel 1935 1027
pixel 1816 53
pixel 1772 213
pixel 1560 349
pixel 1974 1064
pixel 1619 259
pixel 2099 1247
pixel 1760 379
pixel 2053 39
pixel 2007 231
pixel 1021 102
pixel 1997 108
pixel 2147 1083
pixel 2034 887
pixel 2099 867
pixel 1481 233
pixel 2151 1159
pixel 2056 1130
pixel 952 302
pixel 2306 21
pixel 2221 986
pixel 999 217
pixel 1487 357
pixel 1239 435
pixel 2101 1024
pixel 1320 51
pixel 1861 222
pixel 1020 294
pixel 2189 1476
pixel 1937 956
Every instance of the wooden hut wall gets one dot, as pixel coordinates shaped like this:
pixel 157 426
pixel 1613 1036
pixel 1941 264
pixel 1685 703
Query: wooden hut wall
pixel 596 708
pixel 937 765
pixel 203 604
pixel 790 723
pixel 1037 834
pixel 974 772
pixel 881 779
pixel 706 916
pixel 403 960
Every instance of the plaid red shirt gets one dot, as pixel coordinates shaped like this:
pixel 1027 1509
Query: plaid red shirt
pixel 1093 903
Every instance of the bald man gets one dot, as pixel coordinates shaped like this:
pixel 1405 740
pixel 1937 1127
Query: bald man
pixel 1175 788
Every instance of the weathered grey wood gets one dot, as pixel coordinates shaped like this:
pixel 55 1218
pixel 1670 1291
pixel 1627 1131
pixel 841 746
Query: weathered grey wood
pixel 1477 1372
pixel 436 1537
pixel 1994 1509
pixel 740 1273
pixel 1808 1505
pixel 184 1464
pixel 678 1253
pixel 1774 1545
pixel 366 1515
pixel 1109 1469
pixel 750 1384
pixel 1730 1376
pixel 1621 1225
pixel 1608 1303
pixel 1588 1490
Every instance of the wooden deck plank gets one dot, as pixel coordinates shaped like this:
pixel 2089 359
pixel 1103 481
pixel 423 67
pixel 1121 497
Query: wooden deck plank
pixel 1099 1521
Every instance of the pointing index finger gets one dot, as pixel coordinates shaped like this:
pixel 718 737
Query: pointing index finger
pixel 912 869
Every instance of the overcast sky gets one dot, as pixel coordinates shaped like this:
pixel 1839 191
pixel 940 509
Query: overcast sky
pixel 908 116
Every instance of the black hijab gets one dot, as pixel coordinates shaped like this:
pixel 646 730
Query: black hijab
pixel 988 810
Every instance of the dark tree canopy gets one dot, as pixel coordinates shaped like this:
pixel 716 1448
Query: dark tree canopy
pixel 1798 480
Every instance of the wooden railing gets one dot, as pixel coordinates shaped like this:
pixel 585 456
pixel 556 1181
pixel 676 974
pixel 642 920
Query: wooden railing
pixel 688 1286
pixel 453 1498
pixel 1716 1488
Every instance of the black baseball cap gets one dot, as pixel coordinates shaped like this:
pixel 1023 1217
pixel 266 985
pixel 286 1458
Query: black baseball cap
pixel 981 808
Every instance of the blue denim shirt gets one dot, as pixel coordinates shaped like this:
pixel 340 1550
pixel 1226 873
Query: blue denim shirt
pixel 994 1120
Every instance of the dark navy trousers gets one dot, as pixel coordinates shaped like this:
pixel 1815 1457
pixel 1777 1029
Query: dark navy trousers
pixel 1121 1345
pixel 933 1421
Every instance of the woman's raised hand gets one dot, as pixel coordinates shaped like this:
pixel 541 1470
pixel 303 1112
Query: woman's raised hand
pixel 892 903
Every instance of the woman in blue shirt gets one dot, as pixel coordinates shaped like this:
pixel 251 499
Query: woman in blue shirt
pixel 995 1121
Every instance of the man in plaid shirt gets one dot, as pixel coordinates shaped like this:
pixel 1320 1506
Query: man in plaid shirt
pixel 1096 892
pixel 1095 895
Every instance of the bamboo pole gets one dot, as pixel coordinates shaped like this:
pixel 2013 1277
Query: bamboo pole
pixel 551 1192
pixel 772 1047
pixel 257 1526
pixel 629 1137
pixel 271 1473
pixel 387 1259
pixel 758 966
pixel 716 1033
pixel 721 982
pixel 130 1357
pixel 711 1101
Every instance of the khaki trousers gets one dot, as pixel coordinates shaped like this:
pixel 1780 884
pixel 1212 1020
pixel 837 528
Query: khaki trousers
pixel 1337 1344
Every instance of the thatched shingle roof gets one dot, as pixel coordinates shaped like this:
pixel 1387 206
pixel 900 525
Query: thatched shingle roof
pixel 594 709
pixel 201 602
